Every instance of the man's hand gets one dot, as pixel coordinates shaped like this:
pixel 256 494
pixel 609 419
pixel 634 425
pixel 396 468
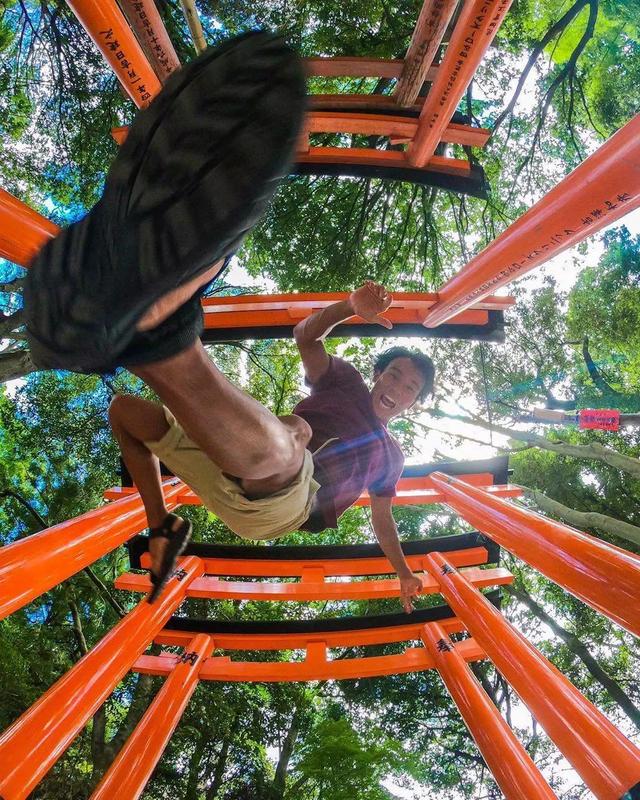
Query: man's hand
pixel 370 301
pixel 410 586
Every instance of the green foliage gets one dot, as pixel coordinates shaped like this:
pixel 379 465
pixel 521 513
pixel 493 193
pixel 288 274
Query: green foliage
pixel 58 102
pixel 605 306
pixel 343 764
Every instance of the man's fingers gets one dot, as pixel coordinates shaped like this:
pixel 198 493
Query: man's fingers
pixel 384 322
pixel 377 289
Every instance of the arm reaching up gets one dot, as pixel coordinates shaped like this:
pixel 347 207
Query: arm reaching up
pixel 369 301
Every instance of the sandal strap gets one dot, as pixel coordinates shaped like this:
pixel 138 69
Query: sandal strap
pixel 164 531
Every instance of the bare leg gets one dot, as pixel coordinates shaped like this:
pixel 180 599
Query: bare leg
pixel 237 433
pixel 135 421
pixel 234 430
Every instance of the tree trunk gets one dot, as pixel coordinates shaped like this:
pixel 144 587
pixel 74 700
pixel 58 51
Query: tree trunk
pixel 221 763
pixel 16 285
pixel 192 791
pixel 138 706
pixel 9 322
pixel 478 669
pixel 98 727
pixel 585 519
pixel 103 752
pixel 593 451
pixel 15 364
pixel 77 628
pixel 581 651
pixel 600 383
pixel 280 780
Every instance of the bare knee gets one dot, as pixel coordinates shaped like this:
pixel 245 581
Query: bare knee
pixel 137 418
pixel 300 429
pixel 120 410
pixel 293 442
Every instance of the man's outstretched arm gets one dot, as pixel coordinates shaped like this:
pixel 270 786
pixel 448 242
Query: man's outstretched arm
pixel 386 531
pixel 368 302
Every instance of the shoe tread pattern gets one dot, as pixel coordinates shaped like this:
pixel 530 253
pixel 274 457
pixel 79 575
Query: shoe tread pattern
pixel 195 173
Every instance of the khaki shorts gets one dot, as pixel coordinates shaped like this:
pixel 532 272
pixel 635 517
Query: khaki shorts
pixel 265 518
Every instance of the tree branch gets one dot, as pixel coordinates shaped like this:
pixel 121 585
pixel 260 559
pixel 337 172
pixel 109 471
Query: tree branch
pixel 593 451
pixel 556 29
pixel 584 519
pixel 15 364
pixel 579 649
pixel 595 374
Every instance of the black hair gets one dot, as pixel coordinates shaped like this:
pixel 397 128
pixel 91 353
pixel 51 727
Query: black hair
pixel 419 360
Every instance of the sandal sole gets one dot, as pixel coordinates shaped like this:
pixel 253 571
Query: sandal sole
pixel 194 175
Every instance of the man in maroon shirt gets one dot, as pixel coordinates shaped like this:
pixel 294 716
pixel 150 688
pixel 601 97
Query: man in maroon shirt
pixel 265 476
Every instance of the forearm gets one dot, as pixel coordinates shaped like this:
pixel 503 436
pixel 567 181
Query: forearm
pixel 387 536
pixel 318 325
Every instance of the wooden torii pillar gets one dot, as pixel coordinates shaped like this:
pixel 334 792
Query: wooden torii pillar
pixel 602 190
pixel 607 761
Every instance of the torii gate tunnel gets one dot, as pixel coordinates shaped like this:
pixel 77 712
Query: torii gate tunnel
pixel 428 138
pixel 456 567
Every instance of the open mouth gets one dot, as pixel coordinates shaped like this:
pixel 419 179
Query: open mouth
pixel 387 402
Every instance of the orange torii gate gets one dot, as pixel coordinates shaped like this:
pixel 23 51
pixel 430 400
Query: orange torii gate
pixel 602 190
pixel 604 576
pixel 274 317
pixel 402 117
pixel 23 232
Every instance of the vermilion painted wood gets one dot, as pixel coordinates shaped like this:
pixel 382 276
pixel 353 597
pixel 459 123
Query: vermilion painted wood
pixel 32 745
pixel 404 497
pixel 345 567
pixel 153 36
pixel 510 764
pixel 107 27
pixel 381 158
pixel 354 67
pixel 129 773
pixel 475 28
pixel 410 491
pixel 359 122
pixel 187 497
pixel 427 37
pixel 297 641
pixel 604 188
pixel 300 304
pixel 412 497
pixel 368 101
pixel 469 135
pixel 286 310
pixel 315 667
pixel 34 565
pixel 212 588
pixel 604 576
pixel 221 319
pixel 605 759
pixel 22 230
pixel 424 485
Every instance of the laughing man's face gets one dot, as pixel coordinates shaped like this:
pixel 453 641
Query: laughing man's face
pixel 396 388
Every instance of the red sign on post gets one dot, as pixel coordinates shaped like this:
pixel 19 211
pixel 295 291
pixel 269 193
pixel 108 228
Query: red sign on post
pixel 602 419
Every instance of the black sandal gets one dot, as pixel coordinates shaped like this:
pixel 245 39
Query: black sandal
pixel 177 543
pixel 194 175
